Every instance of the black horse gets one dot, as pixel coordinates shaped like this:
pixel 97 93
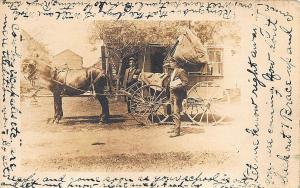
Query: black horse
pixel 71 82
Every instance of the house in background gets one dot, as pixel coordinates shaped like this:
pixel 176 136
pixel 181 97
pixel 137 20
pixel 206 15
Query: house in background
pixel 67 59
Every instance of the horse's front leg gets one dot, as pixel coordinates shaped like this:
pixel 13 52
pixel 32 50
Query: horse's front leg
pixel 58 112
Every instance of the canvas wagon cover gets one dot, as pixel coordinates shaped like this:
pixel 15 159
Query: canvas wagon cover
pixel 189 49
pixel 154 79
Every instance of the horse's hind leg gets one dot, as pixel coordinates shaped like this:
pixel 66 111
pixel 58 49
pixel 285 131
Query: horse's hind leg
pixel 104 117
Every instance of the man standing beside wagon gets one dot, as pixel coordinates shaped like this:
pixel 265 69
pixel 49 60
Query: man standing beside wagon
pixel 178 84
pixel 131 77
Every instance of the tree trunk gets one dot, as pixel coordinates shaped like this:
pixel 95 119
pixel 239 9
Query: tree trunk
pixel 119 74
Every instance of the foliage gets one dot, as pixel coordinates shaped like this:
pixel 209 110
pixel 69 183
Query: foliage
pixel 126 38
pixel 32 50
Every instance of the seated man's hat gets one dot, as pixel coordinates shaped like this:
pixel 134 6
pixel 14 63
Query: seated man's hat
pixel 132 58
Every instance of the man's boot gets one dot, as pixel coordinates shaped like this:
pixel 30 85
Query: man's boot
pixel 176 131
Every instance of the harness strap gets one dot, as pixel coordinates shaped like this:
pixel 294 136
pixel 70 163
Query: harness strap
pixel 92 84
pixel 96 79
pixel 56 72
pixel 65 80
pixel 65 83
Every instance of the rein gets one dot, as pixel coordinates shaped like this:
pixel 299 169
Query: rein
pixel 92 84
pixel 30 73
pixel 66 85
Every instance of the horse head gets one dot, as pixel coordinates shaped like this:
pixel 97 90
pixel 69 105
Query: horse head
pixel 29 69
pixel 38 69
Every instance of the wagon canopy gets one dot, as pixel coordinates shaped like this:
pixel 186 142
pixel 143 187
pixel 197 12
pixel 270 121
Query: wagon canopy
pixel 189 49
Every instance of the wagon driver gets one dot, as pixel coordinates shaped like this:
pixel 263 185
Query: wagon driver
pixel 178 84
pixel 131 76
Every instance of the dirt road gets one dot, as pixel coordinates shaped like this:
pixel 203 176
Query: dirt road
pixel 80 144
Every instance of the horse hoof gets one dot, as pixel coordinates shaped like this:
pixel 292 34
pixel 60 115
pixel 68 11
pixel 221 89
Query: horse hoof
pixel 103 124
pixel 55 122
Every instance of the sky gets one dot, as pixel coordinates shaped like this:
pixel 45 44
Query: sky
pixel 59 35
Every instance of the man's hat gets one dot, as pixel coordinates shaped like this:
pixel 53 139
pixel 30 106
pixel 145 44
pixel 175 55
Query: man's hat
pixel 169 61
pixel 132 58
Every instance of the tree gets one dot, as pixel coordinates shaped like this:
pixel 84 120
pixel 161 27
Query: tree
pixel 126 38
pixel 129 38
pixel 32 50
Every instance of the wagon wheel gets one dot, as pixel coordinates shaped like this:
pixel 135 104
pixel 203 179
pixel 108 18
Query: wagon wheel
pixel 148 105
pixel 132 88
pixel 207 102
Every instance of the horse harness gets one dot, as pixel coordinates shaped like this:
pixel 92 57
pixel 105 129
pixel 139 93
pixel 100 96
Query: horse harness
pixel 55 73
pixel 32 72
pixel 92 84
pixel 65 85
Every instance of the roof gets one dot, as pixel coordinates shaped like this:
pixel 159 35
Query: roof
pixel 67 51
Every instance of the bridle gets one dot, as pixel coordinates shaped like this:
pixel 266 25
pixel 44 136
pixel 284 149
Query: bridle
pixel 30 72
pixel 64 84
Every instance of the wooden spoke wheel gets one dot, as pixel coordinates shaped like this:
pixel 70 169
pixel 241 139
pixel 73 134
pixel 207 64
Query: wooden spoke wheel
pixel 149 105
pixel 207 103
pixel 132 88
